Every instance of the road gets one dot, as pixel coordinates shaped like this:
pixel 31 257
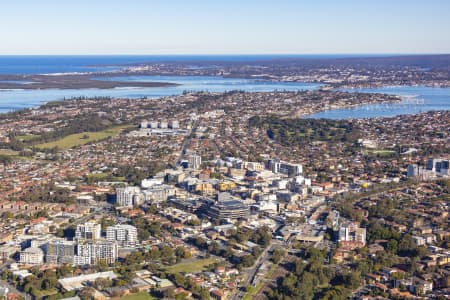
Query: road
pixel 251 272
pixel 187 142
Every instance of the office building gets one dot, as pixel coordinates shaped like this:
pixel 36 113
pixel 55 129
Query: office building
pixel 227 207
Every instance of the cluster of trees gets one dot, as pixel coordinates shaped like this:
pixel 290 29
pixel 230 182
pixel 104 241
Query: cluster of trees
pixel 82 123
pixel 188 284
pixel 146 228
pixel 42 282
pixel 164 253
pixel 5 159
pixel 309 278
pixel 291 132
pixel 399 244
pixel 277 255
pixel 48 193
pixel 261 237
pixel 228 253
pixel 134 175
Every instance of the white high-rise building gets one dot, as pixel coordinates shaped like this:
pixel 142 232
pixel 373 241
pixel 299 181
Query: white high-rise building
pixel 129 196
pixel 439 166
pixel 88 231
pixel 60 251
pixel 163 125
pixel 32 256
pixel 413 170
pixel 195 161
pixel 350 232
pixel 153 124
pixel 91 252
pixel 174 124
pixel 124 235
pixel 144 124
pixel 283 167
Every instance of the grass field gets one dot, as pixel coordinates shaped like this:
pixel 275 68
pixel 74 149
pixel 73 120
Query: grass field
pixel 40 294
pixel 381 152
pixel 97 176
pixel 28 137
pixel 83 138
pixel 138 296
pixel 190 267
pixel 8 152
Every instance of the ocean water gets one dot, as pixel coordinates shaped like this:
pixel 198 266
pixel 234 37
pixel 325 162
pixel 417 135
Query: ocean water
pixel 44 64
pixel 20 98
pixel 416 99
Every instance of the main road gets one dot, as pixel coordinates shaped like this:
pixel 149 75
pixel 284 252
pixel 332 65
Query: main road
pixel 250 273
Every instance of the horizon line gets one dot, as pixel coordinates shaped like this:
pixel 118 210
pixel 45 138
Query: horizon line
pixel 230 54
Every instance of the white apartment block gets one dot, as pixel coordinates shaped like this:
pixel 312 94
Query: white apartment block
pixel 32 256
pixel 124 235
pixel 91 252
pixel 129 196
pixel 88 231
pixel 60 251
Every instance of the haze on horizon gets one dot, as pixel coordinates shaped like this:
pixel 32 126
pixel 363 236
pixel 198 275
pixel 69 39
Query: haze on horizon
pixel 224 27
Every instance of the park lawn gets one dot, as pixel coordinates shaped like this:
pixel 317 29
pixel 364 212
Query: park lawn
pixel 43 293
pixel 191 267
pixel 97 176
pixel 384 152
pixel 77 139
pixel 252 291
pixel 381 152
pixel 27 137
pixel 138 296
pixel 8 152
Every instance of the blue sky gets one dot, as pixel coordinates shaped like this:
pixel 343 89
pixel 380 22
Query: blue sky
pixel 224 27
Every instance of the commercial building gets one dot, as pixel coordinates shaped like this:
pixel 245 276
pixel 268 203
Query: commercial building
pixel 77 282
pixel 124 235
pixel 227 208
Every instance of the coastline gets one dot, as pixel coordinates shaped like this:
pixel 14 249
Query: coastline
pixel 72 81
